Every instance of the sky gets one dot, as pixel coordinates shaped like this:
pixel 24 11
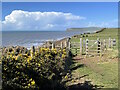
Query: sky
pixel 48 16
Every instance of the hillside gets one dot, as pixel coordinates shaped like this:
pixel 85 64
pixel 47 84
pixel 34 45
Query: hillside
pixel 87 29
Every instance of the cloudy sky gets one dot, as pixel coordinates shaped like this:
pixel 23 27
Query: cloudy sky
pixel 58 16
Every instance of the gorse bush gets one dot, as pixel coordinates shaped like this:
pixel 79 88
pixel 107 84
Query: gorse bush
pixel 43 69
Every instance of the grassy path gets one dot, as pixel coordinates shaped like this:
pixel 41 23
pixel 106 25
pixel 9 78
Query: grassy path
pixel 91 73
pixel 95 72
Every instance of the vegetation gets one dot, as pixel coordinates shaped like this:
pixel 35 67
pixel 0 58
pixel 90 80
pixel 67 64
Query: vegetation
pixel 102 72
pixel 44 70
pixel 88 29
pixel 105 34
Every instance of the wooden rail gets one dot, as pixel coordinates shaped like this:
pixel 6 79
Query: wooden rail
pixel 85 46
pixel 92 46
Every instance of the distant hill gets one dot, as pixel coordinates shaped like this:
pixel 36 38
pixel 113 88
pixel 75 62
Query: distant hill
pixel 87 29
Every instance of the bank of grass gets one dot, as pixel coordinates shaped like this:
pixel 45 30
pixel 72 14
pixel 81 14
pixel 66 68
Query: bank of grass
pixel 106 76
pixel 105 34
pixel 105 72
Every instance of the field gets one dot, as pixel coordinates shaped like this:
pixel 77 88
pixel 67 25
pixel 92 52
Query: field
pixel 96 71
pixel 105 34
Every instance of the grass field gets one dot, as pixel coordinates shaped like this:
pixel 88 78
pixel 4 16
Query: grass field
pixel 101 72
pixel 105 34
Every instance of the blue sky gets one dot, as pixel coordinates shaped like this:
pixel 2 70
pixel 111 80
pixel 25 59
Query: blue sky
pixel 79 14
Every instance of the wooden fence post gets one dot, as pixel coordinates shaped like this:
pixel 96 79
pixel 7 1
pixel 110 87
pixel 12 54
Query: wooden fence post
pixel 86 46
pixel 109 42
pixel 69 45
pixel 80 46
pixel 114 42
pixel 99 46
pixel 65 44
pixel 32 51
pixel 53 45
pixel 61 45
pixel 68 42
pixel 44 46
pixel 105 47
pixel 38 49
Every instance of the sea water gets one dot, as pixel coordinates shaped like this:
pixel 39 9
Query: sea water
pixel 36 38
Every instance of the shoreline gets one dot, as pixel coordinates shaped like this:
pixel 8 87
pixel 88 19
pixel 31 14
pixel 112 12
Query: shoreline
pixel 57 42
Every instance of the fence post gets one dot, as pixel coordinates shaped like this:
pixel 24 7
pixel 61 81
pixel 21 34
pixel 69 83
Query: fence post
pixel 65 43
pixel 32 51
pixel 38 49
pixel 69 45
pixel 86 46
pixel 80 46
pixel 109 42
pixel 44 46
pixel 114 42
pixel 99 46
pixel 105 44
pixel 61 45
pixel 53 45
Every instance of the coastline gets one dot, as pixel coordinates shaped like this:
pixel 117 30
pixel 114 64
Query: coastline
pixel 66 39
pixel 57 42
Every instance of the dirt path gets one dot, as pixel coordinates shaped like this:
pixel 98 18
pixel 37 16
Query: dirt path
pixel 92 63
pixel 80 81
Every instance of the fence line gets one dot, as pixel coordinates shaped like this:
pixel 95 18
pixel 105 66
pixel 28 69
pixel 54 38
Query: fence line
pixel 85 46
pixel 92 46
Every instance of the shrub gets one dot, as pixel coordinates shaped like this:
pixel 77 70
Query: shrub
pixel 43 70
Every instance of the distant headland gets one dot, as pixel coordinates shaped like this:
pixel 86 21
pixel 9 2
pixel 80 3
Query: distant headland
pixel 89 29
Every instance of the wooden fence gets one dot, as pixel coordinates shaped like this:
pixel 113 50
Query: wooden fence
pixel 92 47
pixel 84 47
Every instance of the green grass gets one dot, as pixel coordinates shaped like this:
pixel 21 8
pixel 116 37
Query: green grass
pixel 104 73
pixel 105 34
pixel 106 77
pixel 113 33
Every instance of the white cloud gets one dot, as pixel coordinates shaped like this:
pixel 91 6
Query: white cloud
pixel 24 20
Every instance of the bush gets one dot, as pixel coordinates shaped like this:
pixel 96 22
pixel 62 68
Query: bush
pixel 44 69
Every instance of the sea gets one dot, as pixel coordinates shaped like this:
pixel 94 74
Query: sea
pixel 36 38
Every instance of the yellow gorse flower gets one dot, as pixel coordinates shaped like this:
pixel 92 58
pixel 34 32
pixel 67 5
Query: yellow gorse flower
pixel 64 50
pixel 36 53
pixel 33 82
pixel 20 54
pixel 29 58
pixel 63 56
pixel 13 57
pixel 16 58
pixel 39 65
pixel 29 84
pixel 66 77
pixel 17 67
